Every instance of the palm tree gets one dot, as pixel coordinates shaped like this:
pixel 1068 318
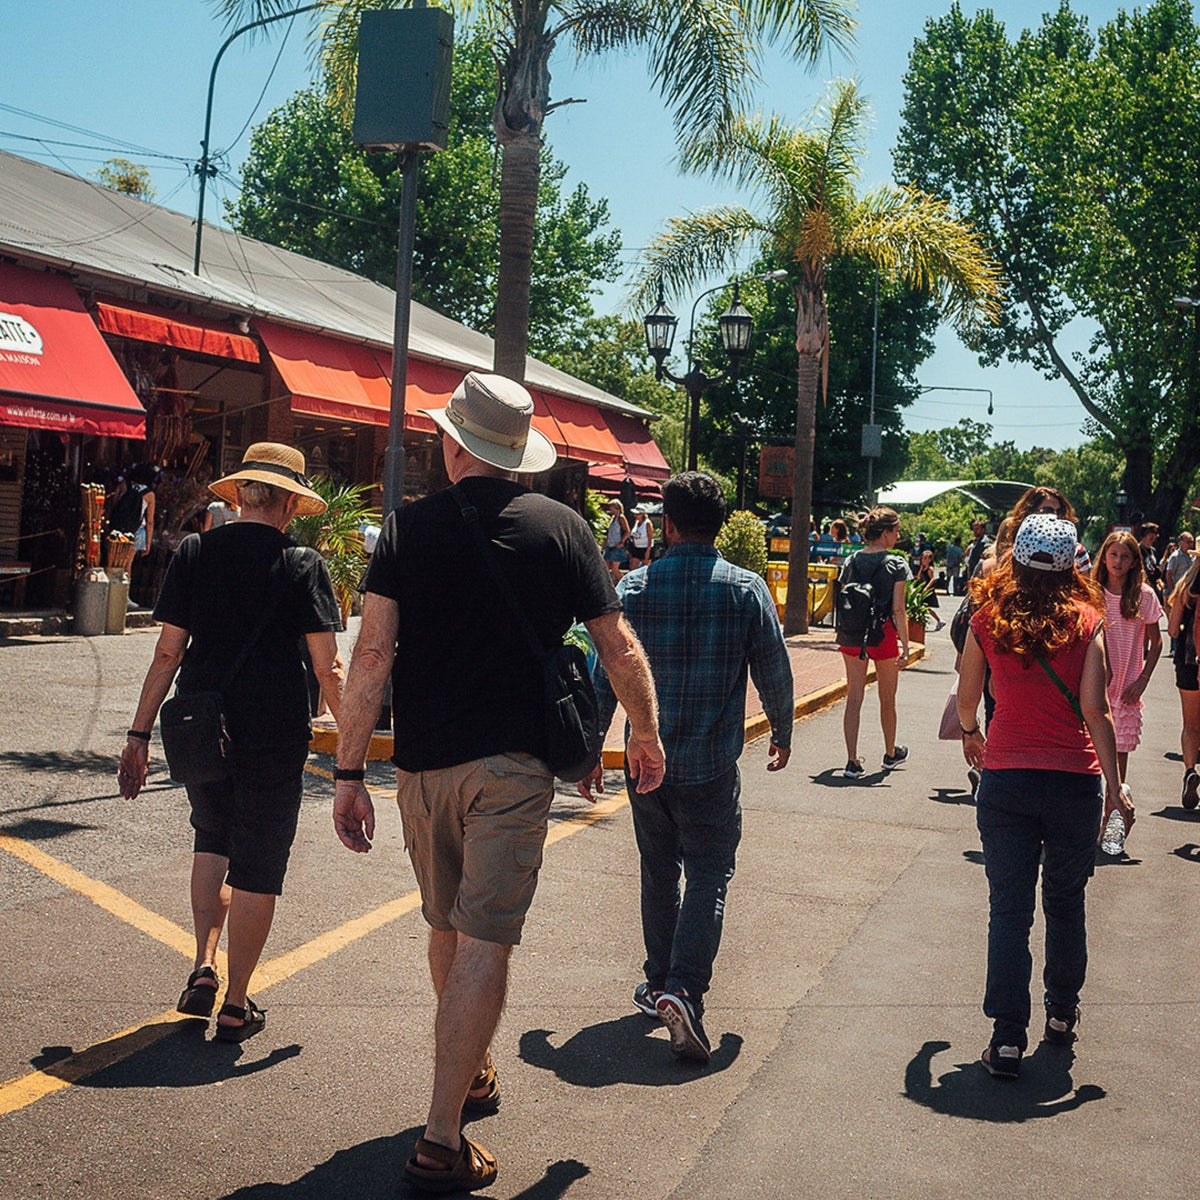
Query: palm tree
pixel 813 214
pixel 702 54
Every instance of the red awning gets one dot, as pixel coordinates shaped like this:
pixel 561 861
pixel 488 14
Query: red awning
pixel 346 381
pixel 55 370
pixel 609 479
pixel 166 328
pixel 583 432
pixel 640 452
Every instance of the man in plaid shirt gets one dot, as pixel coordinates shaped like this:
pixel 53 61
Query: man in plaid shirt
pixel 703 623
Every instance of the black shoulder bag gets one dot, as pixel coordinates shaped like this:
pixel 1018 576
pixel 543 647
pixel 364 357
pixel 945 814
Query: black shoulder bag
pixel 571 719
pixel 194 734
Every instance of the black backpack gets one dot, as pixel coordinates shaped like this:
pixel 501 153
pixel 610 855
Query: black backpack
pixel 859 614
pixel 126 515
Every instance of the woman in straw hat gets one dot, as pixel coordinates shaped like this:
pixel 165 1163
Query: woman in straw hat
pixel 243 584
pixel 1047 763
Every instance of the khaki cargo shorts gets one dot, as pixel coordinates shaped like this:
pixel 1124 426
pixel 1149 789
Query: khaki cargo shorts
pixel 475 834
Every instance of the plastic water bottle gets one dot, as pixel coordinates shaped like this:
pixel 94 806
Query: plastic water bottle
pixel 1113 841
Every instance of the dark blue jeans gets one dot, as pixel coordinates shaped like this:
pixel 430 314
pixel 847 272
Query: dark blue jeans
pixel 1027 817
pixel 691 830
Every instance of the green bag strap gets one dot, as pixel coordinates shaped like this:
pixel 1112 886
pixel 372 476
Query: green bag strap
pixel 1069 695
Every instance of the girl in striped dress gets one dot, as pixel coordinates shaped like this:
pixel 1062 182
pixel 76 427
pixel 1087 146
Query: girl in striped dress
pixel 1131 636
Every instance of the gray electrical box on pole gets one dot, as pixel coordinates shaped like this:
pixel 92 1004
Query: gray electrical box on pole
pixel 403 97
pixel 872 441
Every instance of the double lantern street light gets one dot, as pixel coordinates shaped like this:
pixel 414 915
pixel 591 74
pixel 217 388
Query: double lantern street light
pixel 736 327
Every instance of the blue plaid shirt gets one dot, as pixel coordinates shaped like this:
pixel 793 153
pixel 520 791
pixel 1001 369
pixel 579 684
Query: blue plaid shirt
pixel 703 622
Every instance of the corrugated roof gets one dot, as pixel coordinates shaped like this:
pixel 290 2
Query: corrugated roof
pixel 62 220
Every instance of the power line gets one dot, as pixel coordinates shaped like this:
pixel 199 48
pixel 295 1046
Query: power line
pixel 104 137
pixel 258 102
pixel 25 137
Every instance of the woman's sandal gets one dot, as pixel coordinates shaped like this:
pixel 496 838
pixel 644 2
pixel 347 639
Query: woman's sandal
pixel 483 1106
pixel 199 1001
pixel 462 1170
pixel 252 1020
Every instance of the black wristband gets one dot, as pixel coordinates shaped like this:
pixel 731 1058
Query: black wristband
pixel 142 735
pixel 969 732
pixel 346 775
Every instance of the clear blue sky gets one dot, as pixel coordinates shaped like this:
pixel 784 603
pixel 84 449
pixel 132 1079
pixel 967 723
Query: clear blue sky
pixel 136 73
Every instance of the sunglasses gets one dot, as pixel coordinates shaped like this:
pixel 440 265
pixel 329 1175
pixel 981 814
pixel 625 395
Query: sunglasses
pixel 1052 510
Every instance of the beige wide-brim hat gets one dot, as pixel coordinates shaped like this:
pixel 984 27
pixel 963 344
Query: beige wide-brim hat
pixel 280 466
pixel 490 417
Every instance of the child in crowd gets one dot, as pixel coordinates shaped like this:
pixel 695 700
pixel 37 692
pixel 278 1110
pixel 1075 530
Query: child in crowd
pixel 1132 636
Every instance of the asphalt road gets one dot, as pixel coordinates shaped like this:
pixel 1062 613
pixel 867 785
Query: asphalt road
pixel 845 1012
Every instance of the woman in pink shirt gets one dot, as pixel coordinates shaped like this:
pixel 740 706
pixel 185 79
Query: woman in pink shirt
pixel 1131 636
pixel 1037 625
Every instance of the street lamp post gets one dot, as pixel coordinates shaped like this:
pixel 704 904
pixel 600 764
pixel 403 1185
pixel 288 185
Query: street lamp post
pixel 204 167
pixel 736 326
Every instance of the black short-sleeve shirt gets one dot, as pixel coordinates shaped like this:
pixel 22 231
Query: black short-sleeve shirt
pixel 215 588
pixel 465 684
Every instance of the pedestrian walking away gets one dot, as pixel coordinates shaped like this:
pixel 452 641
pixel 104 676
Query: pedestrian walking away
pixel 244 592
pixel 473 788
pixel 1132 637
pixel 704 624
pixel 1176 567
pixel 1181 625
pixel 954 564
pixel 884 642
pixel 1038 626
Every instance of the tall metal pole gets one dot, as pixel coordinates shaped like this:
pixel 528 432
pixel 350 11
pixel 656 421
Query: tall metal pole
pixel 203 167
pixel 393 464
pixel 871 419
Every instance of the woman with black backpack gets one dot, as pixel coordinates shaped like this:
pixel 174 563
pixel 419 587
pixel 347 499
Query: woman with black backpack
pixel 872 626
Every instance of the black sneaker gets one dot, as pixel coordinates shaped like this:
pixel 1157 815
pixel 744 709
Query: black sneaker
pixel 973 777
pixel 1060 1031
pixel 853 770
pixel 1191 788
pixel 645 1000
pixel 1002 1062
pixel 891 761
pixel 682 1019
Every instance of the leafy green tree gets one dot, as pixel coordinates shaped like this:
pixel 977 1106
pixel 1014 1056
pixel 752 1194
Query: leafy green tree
pixel 812 215
pixel 307 187
pixel 1075 154
pixel 765 391
pixel 124 176
pixel 943 519
pixel 702 54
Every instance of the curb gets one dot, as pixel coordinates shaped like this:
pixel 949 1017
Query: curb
pixel 324 741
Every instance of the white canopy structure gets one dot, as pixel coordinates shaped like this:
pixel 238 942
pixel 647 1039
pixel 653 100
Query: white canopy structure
pixel 992 494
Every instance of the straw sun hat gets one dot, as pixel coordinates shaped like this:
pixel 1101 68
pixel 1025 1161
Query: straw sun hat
pixel 489 416
pixel 281 467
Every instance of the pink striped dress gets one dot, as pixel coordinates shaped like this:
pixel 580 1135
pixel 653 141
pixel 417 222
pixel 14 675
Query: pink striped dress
pixel 1124 638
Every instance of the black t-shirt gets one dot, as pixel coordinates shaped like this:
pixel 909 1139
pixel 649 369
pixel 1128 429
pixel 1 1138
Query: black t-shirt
pixel 215 588
pixel 465 683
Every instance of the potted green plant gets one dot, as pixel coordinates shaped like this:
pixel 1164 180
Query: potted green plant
pixel 337 534
pixel 916 606
pixel 743 542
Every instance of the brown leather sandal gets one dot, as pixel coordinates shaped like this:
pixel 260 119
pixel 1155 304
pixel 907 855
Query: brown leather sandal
pixel 483 1106
pixel 462 1170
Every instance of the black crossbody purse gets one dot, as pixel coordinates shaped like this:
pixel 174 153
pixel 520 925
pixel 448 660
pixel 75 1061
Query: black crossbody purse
pixel 571 717
pixel 194 734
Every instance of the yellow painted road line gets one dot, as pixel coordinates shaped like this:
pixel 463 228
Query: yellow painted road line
pixel 21 1092
pixel 108 898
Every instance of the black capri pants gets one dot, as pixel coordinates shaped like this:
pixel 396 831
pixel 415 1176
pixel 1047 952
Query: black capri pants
pixel 250 816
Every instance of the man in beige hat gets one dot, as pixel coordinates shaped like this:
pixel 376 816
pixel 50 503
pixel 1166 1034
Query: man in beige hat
pixel 244 590
pixel 473 789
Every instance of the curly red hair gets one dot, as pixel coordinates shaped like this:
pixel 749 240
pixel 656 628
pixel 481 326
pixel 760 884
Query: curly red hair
pixel 1034 612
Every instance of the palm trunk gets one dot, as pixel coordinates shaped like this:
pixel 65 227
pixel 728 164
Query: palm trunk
pixel 811 342
pixel 519 172
pixel 517 118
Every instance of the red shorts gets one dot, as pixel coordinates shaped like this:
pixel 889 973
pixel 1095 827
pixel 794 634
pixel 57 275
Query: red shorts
pixel 888 648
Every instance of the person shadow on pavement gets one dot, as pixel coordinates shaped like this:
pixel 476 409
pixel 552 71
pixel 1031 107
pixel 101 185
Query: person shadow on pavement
pixel 623 1050
pixel 1045 1088
pixel 173 1055
pixel 1189 851
pixel 374 1170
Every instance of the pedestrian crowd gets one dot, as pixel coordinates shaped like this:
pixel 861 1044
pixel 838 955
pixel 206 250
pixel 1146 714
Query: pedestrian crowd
pixel 466 600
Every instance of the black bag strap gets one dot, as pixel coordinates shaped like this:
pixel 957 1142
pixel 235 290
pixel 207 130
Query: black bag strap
pixel 470 514
pixel 1069 695
pixel 264 619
